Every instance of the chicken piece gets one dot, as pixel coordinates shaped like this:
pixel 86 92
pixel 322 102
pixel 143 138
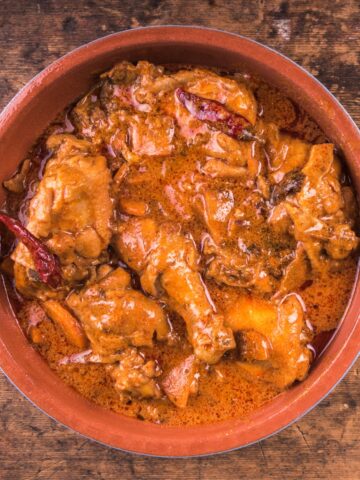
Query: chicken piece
pixel 139 135
pixel 242 158
pixel 116 319
pixel 296 273
pixel 71 211
pixel 126 87
pixel 135 241
pixel 181 382
pixel 135 376
pixel 115 316
pixel 237 269
pixel 311 232
pixel 152 135
pixel 285 153
pixel 215 209
pixel 223 147
pixel 167 263
pixel 321 192
pixel 137 86
pixel 317 213
pixel 277 353
pixel 189 297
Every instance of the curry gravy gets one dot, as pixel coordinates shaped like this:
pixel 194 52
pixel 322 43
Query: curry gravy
pixel 224 391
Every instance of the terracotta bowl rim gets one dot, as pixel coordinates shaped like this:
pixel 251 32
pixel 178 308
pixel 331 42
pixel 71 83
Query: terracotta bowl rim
pixel 224 436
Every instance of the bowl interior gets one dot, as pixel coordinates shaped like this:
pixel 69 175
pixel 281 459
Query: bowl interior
pixel 26 118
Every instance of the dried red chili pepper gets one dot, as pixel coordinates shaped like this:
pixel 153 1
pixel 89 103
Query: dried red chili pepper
pixel 46 263
pixel 214 113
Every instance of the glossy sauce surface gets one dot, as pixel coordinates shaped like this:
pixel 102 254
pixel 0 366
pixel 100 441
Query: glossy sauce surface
pixel 179 187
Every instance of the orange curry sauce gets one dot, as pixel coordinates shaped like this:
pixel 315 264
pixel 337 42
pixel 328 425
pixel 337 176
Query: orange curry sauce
pixel 245 205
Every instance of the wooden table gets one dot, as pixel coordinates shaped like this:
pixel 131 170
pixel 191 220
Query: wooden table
pixel 324 37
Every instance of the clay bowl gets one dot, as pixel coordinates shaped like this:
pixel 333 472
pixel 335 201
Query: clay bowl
pixel 23 121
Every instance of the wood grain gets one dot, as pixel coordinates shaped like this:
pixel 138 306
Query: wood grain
pixel 324 37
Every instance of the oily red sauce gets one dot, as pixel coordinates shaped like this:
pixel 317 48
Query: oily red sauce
pixel 224 392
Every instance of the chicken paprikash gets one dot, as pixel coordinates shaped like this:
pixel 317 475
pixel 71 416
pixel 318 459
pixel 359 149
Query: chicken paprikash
pixel 186 243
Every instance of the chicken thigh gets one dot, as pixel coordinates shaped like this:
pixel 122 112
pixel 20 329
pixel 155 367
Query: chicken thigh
pixel 316 214
pixel 115 316
pixel 116 319
pixel 70 212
